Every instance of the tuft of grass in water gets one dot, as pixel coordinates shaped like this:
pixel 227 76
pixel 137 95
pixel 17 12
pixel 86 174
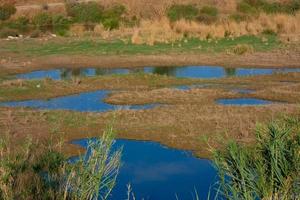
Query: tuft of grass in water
pixel 38 170
pixel 269 170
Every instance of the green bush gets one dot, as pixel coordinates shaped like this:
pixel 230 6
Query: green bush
pixel 208 15
pixel 113 16
pixel 209 10
pixel 42 21
pixel 246 8
pixel 85 12
pixel 268 170
pixel 252 6
pixel 6 11
pixel 110 23
pixel 60 25
pixel 177 12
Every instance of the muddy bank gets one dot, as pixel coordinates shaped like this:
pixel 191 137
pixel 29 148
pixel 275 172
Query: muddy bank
pixel 11 63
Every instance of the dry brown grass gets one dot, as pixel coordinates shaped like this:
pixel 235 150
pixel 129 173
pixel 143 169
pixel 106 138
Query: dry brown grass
pixel 170 96
pixel 178 126
pixel 152 31
pixel 279 23
pixel 16 90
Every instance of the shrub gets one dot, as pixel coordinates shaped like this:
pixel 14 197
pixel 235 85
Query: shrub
pixel 6 11
pixel 112 17
pixel 208 15
pixel 85 12
pixel 289 7
pixel 110 23
pixel 42 21
pixel 268 170
pixel 246 8
pixel 177 12
pixel 209 10
pixel 60 25
pixel 274 7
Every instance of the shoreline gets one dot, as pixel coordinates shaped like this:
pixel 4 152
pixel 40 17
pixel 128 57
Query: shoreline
pixel 14 64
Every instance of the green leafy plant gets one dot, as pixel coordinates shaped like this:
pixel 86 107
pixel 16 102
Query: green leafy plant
pixel 268 170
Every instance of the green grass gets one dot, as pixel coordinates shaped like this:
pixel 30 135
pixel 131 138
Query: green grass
pixel 268 170
pixel 118 47
pixel 37 170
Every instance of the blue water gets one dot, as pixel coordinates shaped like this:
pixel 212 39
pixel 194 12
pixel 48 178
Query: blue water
pixel 184 72
pixel 159 173
pixel 84 102
pixel 243 101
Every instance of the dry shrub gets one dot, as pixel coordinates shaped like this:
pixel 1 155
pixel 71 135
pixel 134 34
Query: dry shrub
pixel 17 82
pixel 152 31
pixel 77 30
pixel 282 24
pixel 242 49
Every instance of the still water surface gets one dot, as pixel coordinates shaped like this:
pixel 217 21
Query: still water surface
pixel 83 102
pixel 159 173
pixel 183 72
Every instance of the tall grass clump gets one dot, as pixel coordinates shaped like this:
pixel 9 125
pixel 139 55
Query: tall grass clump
pixel 94 175
pixel 40 171
pixel 268 170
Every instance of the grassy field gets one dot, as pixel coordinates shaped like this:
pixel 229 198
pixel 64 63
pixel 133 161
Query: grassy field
pixel 94 46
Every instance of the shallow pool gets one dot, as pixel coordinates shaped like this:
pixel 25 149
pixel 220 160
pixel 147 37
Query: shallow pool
pixel 244 101
pixel 184 72
pixel 84 102
pixel 159 173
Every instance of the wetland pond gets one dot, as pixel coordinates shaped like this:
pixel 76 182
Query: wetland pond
pixel 182 72
pixel 154 171
pixel 160 173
